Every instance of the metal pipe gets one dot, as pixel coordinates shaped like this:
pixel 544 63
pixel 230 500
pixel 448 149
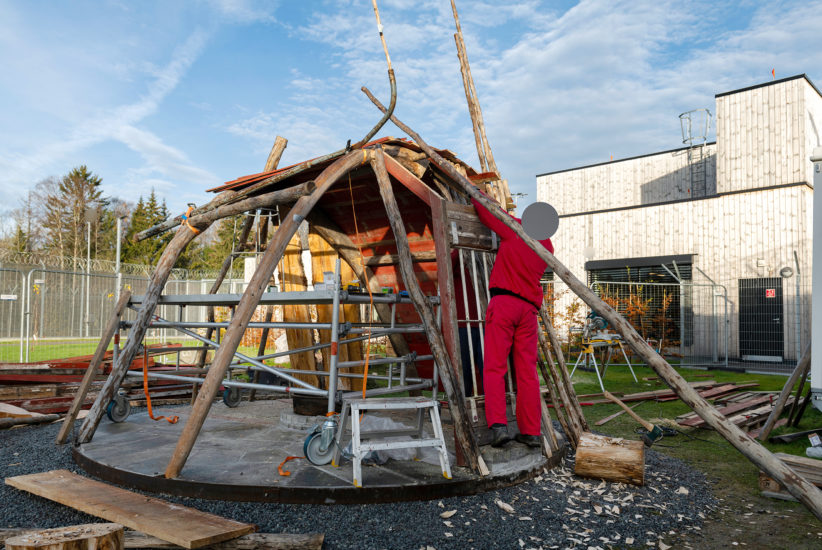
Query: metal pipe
pixel 232 383
pixel 273 370
pixel 335 338
pixel 385 361
pixel 388 391
pixel 88 276
pixel 468 326
pixel 354 375
pixel 117 273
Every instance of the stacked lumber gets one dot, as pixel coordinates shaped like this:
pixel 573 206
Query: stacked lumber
pixel 746 410
pixel 809 468
pixel 49 387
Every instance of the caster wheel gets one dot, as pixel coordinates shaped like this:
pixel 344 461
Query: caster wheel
pixel 311 450
pixel 118 409
pixel 231 397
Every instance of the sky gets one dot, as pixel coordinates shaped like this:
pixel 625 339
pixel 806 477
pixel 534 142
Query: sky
pixel 178 97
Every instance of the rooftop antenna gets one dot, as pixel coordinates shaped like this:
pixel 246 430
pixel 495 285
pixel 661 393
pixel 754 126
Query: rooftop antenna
pixel 695 126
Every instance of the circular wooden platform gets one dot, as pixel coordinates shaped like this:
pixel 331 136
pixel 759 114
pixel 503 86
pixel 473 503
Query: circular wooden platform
pixel 238 451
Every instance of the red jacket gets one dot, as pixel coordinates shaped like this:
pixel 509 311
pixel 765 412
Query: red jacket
pixel 517 268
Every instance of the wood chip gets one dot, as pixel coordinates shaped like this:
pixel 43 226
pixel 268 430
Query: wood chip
pixel 682 491
pixel 663 546
pixel 504 506
pixel 448 514
pixel 525 518
pixel 598 509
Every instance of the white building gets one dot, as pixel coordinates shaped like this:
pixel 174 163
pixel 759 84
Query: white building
pixel 737 212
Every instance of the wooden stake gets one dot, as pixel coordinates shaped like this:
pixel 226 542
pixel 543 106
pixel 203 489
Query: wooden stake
pixel 806 492
pixel 563 370
pixel 248 303
pixel 462 426
pixel 93 365
pixel 801 368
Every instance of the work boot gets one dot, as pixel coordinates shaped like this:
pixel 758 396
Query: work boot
pixel 529 440
pixel 499 435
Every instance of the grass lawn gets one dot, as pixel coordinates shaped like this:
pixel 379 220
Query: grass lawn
pixel 746 517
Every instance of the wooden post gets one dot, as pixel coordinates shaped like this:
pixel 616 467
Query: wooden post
pixel 158 280
pixel 248 303
pixel 806 492
pixel 573 428
pixel 462 427
pixel 563 369
pixel 802 367
pixel 276 154
pixel 94 364
pixel 135 337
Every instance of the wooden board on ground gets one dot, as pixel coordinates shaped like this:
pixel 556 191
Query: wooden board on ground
pixel 178 524
pixel 77 537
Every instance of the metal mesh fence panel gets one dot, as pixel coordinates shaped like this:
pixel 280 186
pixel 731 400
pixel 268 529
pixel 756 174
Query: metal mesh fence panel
pixel 12 282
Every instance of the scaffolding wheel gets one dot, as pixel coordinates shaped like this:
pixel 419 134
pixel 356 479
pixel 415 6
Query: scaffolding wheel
pixel 312 451
pixel 231 397
pixel 118 409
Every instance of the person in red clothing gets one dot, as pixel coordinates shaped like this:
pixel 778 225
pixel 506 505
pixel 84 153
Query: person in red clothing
pixel 511 328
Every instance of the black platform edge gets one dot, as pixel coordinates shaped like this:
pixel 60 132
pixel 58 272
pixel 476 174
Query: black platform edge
pixel 306 495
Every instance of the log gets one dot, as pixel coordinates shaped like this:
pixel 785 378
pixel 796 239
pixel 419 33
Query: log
pixel 93 365
pixel 276 154
pixel 248 303
pixel 462 427
pixel 39 419
pixel 563 369
pixel 574 430
pixel 252 541
pixel 806 492
pixel 138 330
pixel 801 367
pixel 610 458
pixel 90 536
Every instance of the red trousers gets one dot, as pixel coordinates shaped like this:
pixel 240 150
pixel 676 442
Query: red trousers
pixel 511 328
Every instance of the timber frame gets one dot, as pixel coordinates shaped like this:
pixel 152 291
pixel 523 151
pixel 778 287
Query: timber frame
pixel 405 244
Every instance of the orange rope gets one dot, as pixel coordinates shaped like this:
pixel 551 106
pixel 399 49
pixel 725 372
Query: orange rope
pixel 367 284
pixel 169 419
pixel 280 467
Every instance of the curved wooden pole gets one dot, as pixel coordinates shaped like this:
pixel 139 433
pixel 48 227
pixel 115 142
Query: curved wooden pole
pixel 801 369
pixel 806 492
pixel 248 303
pixel 462 427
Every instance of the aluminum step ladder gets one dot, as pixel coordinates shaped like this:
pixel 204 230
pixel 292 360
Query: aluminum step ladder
pixel 352 408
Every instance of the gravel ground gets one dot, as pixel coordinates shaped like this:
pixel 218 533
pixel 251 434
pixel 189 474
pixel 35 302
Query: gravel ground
pixel 555 510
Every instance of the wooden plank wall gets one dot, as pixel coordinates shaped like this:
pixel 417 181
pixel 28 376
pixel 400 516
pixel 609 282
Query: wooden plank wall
pixel 643 180
pixel 727 234
pixel 763 135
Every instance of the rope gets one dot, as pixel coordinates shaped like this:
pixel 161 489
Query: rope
pixel 169 419
pixel 280 467
pixel 367 283
pixel 185 221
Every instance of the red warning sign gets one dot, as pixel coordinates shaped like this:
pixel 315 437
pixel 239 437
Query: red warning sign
pixel 770 293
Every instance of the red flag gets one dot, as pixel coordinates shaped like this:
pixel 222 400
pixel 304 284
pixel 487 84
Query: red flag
pixel 773 73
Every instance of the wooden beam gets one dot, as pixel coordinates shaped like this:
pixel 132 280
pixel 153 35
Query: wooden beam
pixel 563 369
pixel 175 523
pixel 806 492
pixel 276 154
pixel 393 259
pixel 462 425
pixel 93 365
pixel 248 303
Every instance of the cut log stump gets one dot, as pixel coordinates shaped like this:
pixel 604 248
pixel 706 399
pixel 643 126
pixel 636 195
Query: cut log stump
pixel 611 459
pixel 97 536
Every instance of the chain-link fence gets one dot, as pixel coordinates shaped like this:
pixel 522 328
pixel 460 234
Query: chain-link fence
pixel 48 313
pixel 758 324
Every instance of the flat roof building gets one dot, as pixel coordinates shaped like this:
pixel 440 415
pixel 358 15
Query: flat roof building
pixel 721 231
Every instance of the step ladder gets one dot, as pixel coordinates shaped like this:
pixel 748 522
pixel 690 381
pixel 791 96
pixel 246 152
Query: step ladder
pixel 352 408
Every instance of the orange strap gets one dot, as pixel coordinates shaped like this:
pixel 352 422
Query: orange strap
pixel 367 285
pixel 169 419
pixel 185 221
pixel 280 467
